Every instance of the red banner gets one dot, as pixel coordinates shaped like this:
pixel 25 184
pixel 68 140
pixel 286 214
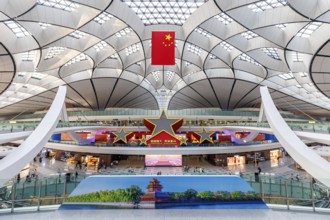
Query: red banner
pixel 163 139
pixel 163 48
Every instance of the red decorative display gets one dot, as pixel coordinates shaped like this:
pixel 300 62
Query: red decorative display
pixel 166 136
pixel 163 139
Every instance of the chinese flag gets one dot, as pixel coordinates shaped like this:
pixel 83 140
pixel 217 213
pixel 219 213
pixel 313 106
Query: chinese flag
pixel 163 48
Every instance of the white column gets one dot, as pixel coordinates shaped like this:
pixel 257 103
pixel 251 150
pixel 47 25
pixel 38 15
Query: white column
pixel 261 114
pixel 73 135
pixel 24 154
pixel 315 165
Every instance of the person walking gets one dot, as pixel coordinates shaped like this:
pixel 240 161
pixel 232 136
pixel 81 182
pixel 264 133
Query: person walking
pixel 59 174
pixel 18 177
pixel 259 170
pixel 313 181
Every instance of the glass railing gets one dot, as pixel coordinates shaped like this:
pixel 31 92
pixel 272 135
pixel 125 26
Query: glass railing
pixel 215 144
pixel 28 126
pixel 152 113
pixel 39 193
pixel 289 192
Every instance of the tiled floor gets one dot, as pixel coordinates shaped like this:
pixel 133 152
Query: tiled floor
pixel 206 214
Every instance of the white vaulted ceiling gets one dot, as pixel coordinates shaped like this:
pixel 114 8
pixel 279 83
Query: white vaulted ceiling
pixel 225 50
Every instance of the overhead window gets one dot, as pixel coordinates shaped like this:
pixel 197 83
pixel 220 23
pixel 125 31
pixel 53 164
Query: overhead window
pixel 272 52
pixel 164 12
pixel 59 4
pixel 17 29
pixel 224 18
pixel 308 30
pixel 266 5
pixel 102 18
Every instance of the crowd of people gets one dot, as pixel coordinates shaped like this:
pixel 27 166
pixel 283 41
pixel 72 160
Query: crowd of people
pixel 297 178
pixel 32 175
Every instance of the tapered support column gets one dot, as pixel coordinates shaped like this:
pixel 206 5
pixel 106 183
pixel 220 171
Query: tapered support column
pixel 73 135
pixel 22 155
pixel 314 164
pixel 261 114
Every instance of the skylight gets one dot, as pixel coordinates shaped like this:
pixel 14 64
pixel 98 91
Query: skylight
pixel 59 4
pixel 102 18
pixel 44 25
pixel 268 4
pixel 21 74
pixel 281 26
pixel 163 12
pixel 132 49
pixel 247 58
pixel 226 46
pixel 225 19
pixel 17 29
pixel 213 57
pixel 272 52
pixel 38 76
pixel 297 57
pixel 286 76
pixel 307 31
pixel 114 56
pixel 124 32
pixel 54 52
pixel 194 49
pixel 28 56
pixel 249 35
pixel 100 46
pixel 303 74
pixel 203 32
pixel 169 75
pixel 77 34
pixel 80 57
pixel 156 74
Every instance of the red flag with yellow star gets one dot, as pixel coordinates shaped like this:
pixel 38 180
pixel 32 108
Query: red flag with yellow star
pixel 163 48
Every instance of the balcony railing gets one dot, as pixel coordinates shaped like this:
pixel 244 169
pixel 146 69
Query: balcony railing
pixel 43 192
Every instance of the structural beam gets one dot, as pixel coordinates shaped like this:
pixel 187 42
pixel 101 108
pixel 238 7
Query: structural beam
pixel 314 164
pixel 72 134
pixel 305 135
pixel 24 154
pixel 247 139
pixel 163 150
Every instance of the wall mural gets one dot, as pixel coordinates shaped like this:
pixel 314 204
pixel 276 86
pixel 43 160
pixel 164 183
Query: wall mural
pixel 163 192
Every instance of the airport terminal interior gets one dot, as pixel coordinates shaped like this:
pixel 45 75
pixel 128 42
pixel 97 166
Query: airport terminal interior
pixel 125 109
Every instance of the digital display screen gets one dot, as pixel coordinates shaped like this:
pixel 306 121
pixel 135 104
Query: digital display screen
pixel 163 160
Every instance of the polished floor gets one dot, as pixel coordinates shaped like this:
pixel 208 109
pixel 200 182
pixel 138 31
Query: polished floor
pixel 168 215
